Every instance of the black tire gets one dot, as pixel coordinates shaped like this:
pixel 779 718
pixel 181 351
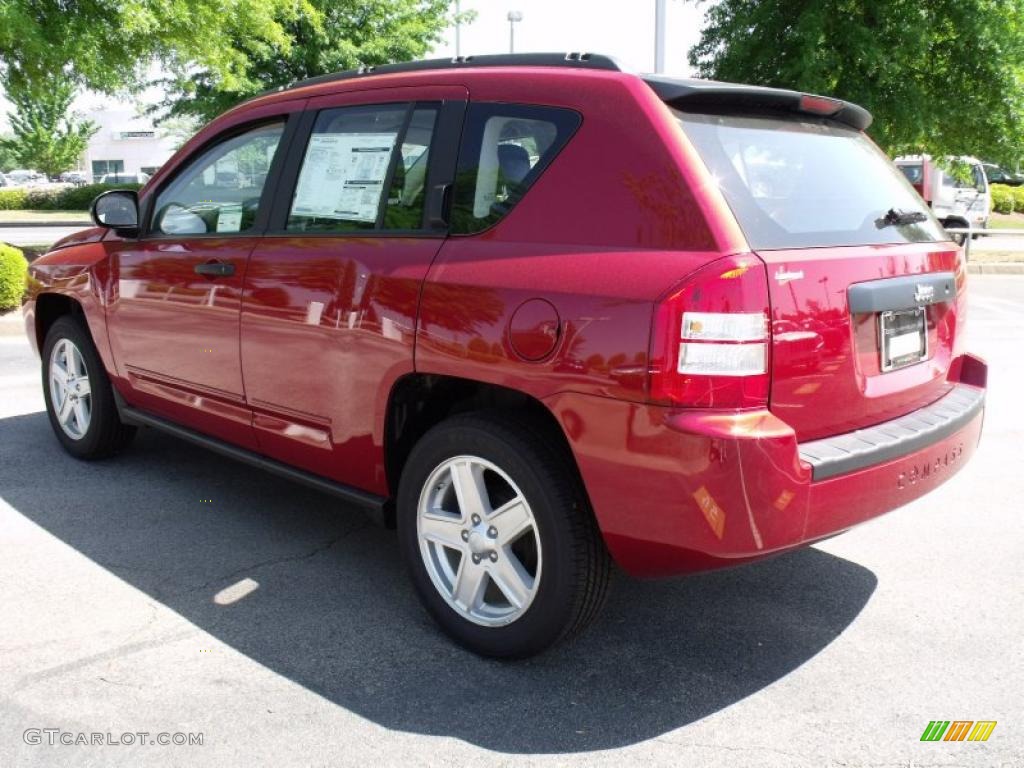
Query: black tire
pixel 106 434
pixel 958 238
pixel 576 567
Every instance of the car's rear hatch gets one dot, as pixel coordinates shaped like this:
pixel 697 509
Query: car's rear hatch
pixel 864 285
pixel 829 346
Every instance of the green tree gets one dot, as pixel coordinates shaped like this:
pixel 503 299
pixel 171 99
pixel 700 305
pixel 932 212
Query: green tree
pixel 107 46
pixel 943 76
pixel 327 36
pixel 8 161
pixel 48 136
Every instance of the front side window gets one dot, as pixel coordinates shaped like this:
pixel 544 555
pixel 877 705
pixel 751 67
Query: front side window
pixel 219 193
pixel 352 178
pixel 505 148
pixel 808 183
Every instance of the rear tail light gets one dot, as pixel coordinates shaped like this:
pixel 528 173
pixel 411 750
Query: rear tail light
pixel 709 344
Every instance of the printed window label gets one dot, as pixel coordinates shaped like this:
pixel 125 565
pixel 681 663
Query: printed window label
pixel 229 219
pixel 343 176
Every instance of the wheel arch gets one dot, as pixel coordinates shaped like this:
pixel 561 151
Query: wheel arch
pixel 417 402
pixel 51 306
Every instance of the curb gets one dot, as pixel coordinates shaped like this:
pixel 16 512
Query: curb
pixel 996 268
pixel 55 223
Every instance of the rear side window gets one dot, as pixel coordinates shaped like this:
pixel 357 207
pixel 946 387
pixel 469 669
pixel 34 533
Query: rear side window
pixel 505 148
pixel 365 168
pixel 805 183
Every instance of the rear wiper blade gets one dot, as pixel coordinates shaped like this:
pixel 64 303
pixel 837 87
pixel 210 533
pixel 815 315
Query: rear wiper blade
pixel 896 217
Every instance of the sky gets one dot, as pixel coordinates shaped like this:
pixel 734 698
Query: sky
pixel 620 28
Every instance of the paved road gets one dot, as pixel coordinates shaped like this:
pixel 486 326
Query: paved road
pixel 35 235
pixel 281 627
pixel 999 243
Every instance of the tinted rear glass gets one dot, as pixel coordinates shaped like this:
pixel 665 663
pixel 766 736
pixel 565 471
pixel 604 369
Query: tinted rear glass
pixel 803 184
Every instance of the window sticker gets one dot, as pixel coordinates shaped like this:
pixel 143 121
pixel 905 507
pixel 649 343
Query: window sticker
pixel 229 219
pixel 343 176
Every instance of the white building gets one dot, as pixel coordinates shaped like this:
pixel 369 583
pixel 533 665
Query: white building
pixel 125 143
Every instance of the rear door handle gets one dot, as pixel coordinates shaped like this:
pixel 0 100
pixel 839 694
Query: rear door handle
pixel 215 269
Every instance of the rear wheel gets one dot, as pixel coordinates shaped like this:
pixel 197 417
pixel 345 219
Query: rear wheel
pixel 79 398
pixel 498 537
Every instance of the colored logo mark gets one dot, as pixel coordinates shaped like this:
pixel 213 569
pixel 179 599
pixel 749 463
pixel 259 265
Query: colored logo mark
pixel 958 730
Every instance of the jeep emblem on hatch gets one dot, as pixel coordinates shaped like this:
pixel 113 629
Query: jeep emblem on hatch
pixel 924 293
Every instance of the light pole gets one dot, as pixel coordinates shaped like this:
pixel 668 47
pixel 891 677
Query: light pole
pixel 659 36
pixel 513 17
pixel 458 29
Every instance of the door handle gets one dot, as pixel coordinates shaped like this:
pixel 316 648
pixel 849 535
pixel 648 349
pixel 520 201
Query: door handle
pixel 215 269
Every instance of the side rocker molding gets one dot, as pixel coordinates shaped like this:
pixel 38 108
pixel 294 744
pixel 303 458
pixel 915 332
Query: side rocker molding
pixel 375 507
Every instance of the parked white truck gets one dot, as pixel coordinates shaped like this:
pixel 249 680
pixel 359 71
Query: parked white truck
pixel 958 200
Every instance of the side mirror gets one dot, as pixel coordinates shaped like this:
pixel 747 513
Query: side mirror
pixel 117 209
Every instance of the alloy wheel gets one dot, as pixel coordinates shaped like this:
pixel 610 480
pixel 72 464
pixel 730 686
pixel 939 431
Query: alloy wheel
pixel 70 391
pixel 479 541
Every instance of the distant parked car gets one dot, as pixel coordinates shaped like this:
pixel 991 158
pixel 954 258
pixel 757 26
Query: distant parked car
pixel 78 178
pixel 998 175
pixel 124 178
pixel 3 180
pixel 22 177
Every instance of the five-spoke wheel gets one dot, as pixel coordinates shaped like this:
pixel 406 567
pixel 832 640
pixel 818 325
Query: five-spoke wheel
pixel 498 535
pixel 479 540
pixel 79 397
pixel 69 389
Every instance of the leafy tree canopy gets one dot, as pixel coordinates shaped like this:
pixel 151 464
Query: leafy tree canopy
pixel 48 136
pixel 326 36
pixel 942 76
pixel 106 45
pixel 8 161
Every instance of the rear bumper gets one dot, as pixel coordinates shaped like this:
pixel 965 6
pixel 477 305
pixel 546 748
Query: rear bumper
pixel 681 491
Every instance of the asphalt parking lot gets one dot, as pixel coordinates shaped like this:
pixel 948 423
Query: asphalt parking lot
pixel 170 590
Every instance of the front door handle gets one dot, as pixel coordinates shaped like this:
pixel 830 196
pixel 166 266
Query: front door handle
pixel 215 269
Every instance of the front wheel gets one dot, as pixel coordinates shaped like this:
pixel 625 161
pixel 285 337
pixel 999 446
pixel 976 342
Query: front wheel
pixel 499 538
pixel 79 398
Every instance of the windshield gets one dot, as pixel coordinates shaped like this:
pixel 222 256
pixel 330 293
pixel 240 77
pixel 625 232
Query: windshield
pixel 807 183
pixel 914 173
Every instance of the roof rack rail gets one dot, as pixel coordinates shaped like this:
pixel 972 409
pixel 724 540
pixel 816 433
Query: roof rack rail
pixel 571 60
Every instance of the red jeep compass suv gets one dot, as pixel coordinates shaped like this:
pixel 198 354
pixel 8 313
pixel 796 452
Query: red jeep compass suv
pixel 537 313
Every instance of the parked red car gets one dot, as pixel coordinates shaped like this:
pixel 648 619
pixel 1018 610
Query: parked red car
pixel 533 311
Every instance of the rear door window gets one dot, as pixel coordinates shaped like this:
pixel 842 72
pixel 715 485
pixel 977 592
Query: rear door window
pixel 365 168
pixel 505 148
pixel 806 183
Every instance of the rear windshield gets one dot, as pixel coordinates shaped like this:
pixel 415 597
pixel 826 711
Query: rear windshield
pixel 803 184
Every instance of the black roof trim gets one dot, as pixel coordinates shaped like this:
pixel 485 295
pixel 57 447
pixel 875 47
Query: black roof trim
pixel 571 60
pixel 712 96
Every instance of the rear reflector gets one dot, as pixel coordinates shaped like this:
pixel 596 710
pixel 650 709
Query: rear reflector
pixel 709 343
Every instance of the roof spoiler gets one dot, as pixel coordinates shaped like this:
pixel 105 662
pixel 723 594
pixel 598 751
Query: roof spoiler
pixel 715 97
